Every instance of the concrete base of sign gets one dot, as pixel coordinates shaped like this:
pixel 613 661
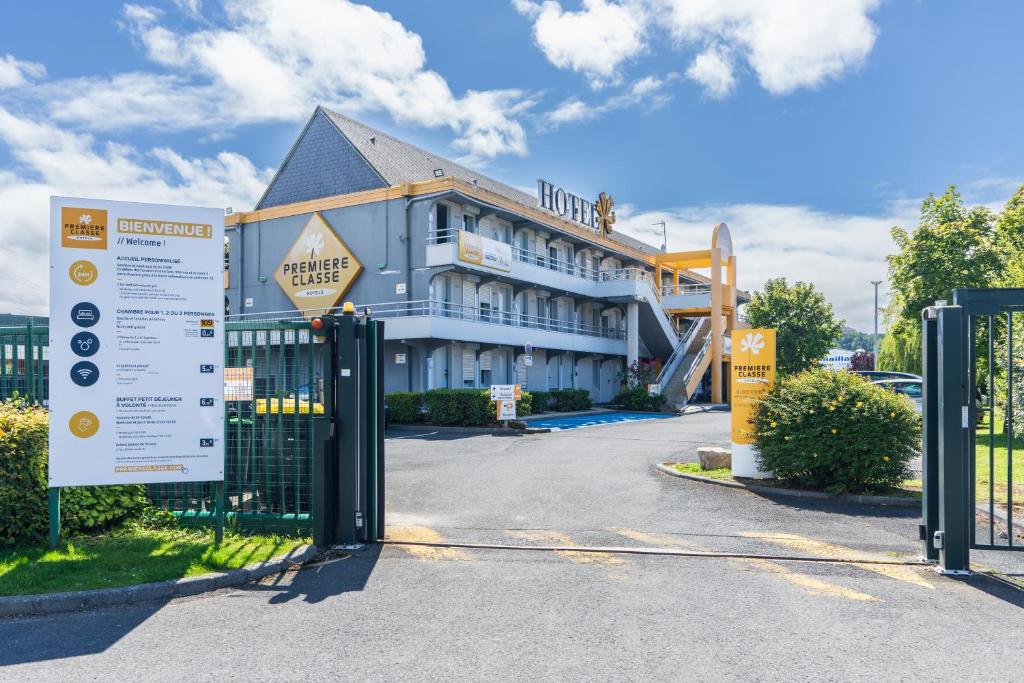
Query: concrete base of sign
pixel 744 462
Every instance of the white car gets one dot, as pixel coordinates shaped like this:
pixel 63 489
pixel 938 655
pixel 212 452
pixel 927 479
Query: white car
pixel 913 389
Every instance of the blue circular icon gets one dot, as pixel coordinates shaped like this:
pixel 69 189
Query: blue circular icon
pixel 85 344
pixel 85 314
pixel 84 373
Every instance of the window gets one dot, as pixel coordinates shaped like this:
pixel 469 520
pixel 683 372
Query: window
pixel 441 216
pixel 911 389
pixel 553 257
pixel 468 222
pixel 595 264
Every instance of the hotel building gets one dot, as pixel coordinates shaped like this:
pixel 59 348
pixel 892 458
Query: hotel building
pixel 479 282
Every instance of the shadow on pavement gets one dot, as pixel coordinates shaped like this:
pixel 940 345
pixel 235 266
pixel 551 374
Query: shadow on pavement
pixel 996 587
pixel 69 634
pixel 317 582
pixel 843 507
pixel 436 434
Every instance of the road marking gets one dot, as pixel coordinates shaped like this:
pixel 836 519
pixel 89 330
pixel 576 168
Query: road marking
pixel 426 534
pixel 541 536
pixel 825 549
pixel 808 583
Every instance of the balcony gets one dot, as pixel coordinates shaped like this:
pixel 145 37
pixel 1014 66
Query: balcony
pixel 686 297
pixel 446 320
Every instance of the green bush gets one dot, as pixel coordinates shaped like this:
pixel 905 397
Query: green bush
pixel 524 406
pixel 566 400
pixel 405 406
pixel 24 515
pixel 541 401
pixel 638 398
pixel 834 431
pixel 467 407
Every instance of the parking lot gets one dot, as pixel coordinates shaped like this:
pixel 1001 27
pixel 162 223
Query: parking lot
pixel 434 611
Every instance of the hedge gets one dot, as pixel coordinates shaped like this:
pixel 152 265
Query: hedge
pixel 541 401
pixel 464 407
pixel 638 398
pixel 24 516
pixel 834 431
pixel 406 406
pixel 566 400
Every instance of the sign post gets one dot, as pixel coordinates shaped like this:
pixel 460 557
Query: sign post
pixel 752 375
pixel 505 397
pixel 137 345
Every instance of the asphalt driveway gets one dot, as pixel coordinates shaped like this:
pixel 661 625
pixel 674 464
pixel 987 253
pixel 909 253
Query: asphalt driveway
pixel 413 612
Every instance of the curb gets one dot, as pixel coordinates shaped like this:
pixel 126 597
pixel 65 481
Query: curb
pixel 894 501
pixel 452 429
pixel 53 603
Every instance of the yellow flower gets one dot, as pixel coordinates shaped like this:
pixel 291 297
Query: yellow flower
pixel 892 414
pixel 814 455
pixel 885 458
pixel 787 438
pixel 812 411
pixel 860 404
pixel 774 423
pixel 835 431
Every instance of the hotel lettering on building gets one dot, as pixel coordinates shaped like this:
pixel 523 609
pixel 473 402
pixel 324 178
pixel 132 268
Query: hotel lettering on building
pixel 479 283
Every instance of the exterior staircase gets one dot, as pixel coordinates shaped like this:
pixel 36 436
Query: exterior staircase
pixel 682 372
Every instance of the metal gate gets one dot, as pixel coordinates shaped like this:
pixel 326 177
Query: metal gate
pixel 304 426
pixel 973 363
pixel 304 431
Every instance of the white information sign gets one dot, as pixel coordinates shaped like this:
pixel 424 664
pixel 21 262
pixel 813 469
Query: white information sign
pixel 136 343
pixel 503 392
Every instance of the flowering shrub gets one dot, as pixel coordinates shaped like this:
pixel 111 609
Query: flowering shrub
pixel 834 431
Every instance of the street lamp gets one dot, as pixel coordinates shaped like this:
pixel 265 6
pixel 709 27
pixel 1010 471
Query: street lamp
pixel 876 283
pixel 664 235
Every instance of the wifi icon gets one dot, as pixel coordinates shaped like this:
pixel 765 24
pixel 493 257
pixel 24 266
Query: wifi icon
pixel 84 373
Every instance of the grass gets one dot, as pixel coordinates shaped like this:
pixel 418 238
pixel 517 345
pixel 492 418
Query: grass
pixel 131 557
pixel 694 468
pixel 997 471
pixel 725 473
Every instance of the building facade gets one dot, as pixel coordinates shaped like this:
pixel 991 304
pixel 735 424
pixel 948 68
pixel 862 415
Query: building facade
pixel 479 282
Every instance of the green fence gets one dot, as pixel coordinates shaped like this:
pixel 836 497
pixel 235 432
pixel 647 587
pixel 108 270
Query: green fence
pixel 273 390
pixel 274 393
pixel 24 362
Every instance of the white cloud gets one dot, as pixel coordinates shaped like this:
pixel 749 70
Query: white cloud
pixel 52 161
pixel 839 253
pixel 646 92
pixel 14 72
pixel 594 41
pixel 275 60
pixel 713 70
pixel 788 44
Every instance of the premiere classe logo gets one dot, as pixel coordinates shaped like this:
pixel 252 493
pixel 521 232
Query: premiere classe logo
pixel 83 228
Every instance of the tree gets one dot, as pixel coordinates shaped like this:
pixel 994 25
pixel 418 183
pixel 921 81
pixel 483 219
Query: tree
pixel 862 360
pixel 806 327
pixel 952 246
pixel 851 340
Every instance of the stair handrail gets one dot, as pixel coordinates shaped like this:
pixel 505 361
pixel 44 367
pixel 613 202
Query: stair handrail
pixel 697 359
pixel 678 353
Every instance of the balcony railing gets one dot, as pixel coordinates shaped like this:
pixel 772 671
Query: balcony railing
pixel 542 260
pixel 683 290
pixel 483 314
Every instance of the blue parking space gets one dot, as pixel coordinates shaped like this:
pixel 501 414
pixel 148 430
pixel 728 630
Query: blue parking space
pixel 577 421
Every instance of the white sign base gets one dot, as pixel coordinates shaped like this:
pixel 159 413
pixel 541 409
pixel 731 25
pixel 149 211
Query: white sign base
pixel 744 462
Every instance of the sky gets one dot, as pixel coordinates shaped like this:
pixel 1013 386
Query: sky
pixel 810 127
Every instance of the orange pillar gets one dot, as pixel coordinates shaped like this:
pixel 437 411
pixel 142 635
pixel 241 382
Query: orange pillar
pixel 716 326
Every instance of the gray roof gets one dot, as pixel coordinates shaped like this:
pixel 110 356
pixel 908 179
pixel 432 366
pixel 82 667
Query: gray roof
pixel 400 162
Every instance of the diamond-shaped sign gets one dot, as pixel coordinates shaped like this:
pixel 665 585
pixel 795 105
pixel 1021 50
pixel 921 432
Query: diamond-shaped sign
pixel 318 269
